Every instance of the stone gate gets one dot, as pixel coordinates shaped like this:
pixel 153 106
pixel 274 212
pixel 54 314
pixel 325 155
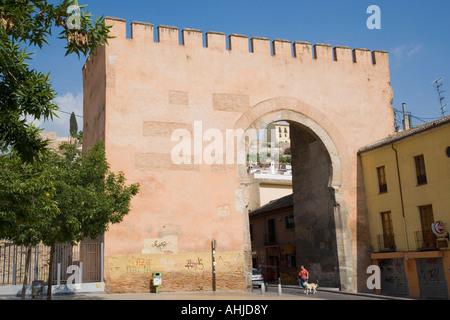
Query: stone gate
pixel 167 107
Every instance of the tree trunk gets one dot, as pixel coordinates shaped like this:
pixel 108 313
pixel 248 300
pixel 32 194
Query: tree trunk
pixel 50 273
pixel 27 267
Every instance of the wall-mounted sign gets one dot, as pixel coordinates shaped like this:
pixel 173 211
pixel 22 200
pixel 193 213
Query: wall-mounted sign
pixel 438 228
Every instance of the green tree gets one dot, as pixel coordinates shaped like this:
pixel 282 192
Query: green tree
pixel 63 198
pixel 27 203
pixel 73 125
pixel 24 92
pixel 285 159
pixel 90 198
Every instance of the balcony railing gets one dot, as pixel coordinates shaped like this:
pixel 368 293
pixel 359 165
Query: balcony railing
pixel 425 240
pixel 386 242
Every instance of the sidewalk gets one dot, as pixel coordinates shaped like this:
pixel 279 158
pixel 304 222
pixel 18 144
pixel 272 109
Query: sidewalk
pixel 191 296
pixel 272 294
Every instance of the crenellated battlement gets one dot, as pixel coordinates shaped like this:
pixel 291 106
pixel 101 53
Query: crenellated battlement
pixel 240 43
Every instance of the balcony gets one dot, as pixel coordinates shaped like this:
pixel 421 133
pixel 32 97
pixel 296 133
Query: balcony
pixel 386 243
pixel 425 240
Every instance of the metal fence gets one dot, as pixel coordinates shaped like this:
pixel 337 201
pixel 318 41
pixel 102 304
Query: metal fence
pixel 86 257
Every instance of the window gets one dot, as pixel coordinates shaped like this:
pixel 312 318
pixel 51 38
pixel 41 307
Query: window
pixel 292 261
pixel 426 220
pixel 289 222
pixel 382 185
pixel 271 232
pixel 420 170
pixel 388 231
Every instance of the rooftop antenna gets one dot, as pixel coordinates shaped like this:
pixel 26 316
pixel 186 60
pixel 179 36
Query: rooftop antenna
pixel 438 84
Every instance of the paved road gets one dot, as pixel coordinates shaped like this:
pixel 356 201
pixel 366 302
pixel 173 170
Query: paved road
pixel 325 294
pixel 288 292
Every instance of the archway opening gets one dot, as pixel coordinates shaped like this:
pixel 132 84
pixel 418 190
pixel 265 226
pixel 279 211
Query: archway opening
pixel 314 207
pixel 299 227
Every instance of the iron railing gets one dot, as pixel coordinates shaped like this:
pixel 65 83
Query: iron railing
pixel 425 240
pixel 87 257
pixel 386 242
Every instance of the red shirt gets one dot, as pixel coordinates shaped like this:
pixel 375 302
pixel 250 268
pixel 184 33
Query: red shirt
pixel 303 274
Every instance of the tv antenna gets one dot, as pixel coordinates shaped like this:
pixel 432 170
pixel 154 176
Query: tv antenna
pixel 438 85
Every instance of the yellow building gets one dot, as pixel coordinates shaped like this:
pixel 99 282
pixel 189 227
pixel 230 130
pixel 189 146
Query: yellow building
pixel 278 132
pixel 407 186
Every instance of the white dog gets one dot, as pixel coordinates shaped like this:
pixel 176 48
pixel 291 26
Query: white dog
pixel 311 287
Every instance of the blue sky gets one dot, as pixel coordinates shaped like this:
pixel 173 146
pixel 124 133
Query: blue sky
pixel 415 33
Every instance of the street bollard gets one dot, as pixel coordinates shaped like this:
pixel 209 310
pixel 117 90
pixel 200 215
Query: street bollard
pixel 279 287
pixel 263 289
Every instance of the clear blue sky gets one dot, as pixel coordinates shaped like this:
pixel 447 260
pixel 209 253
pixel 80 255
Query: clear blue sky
pixel 415 33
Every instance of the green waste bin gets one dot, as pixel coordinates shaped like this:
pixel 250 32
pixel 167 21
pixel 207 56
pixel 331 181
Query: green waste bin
pixel 157 281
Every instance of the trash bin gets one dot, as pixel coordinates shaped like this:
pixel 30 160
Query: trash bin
pixel 37 289
pixel 157 281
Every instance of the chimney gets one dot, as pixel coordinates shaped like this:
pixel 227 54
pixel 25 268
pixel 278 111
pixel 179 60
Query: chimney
pixel 406 119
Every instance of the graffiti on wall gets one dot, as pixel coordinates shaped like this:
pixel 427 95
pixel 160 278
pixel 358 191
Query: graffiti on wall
pixel 168 262
pixel 167 244
pixel 138 265
pixel 198 265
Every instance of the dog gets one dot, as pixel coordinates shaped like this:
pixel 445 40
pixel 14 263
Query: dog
pixel 311 287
